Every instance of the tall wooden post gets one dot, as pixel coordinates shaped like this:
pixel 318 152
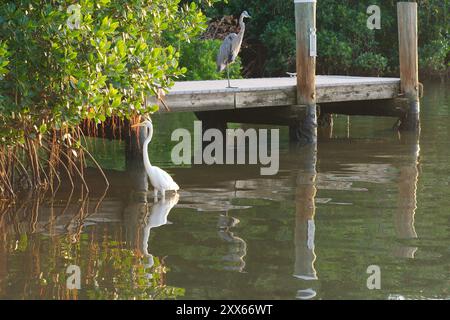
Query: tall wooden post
pixel 409 61
pixel 305 28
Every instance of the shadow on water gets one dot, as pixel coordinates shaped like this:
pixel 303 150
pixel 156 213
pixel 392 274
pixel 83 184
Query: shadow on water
pixel 310 232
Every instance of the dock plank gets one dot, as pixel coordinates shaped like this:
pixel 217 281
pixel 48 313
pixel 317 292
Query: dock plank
pixel 269 92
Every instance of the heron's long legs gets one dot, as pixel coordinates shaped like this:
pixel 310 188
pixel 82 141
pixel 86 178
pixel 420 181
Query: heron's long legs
pixel 228 75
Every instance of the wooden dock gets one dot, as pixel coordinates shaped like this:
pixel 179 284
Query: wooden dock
pixel 275 92
pixel 307 101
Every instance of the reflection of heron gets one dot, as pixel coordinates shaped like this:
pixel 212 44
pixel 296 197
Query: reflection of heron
pixel 157 217
pixel 230 48
pixel 160 180
pixel 238 251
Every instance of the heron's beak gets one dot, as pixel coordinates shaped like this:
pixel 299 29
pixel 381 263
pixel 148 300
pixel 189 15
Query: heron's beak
pixel 137 125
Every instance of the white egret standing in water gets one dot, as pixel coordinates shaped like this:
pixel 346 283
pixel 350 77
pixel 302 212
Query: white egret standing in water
pixel 230 48
pixel 160 180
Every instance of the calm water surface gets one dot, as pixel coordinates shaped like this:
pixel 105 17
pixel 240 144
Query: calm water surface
pixel 370 197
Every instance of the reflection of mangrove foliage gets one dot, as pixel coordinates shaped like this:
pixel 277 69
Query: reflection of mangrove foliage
pixel 61 65
pixel 108 270
pixel 40 238
pixel 131 280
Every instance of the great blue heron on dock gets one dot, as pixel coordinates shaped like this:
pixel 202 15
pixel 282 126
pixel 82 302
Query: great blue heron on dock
pixel 230 48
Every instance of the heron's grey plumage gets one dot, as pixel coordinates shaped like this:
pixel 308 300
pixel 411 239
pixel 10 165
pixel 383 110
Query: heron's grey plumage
pixel 226 54
pixel 231 46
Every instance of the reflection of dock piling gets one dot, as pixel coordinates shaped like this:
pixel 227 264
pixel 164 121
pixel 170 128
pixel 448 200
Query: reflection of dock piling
pixel 407 197
pixel 305 212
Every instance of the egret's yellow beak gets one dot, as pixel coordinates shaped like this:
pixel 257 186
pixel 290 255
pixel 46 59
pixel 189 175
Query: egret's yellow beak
pixel 137 125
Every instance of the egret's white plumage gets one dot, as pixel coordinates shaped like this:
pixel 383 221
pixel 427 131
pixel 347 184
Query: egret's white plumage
pixel 160 180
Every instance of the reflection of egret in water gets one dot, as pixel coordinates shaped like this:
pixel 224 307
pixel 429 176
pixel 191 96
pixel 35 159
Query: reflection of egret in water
pixel 238 246
pixel 138 218
pixel 304 223
pixel 407 197
pixel 156 217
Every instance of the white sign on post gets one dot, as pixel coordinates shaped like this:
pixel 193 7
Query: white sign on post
pixel 312 42
pixel 312 33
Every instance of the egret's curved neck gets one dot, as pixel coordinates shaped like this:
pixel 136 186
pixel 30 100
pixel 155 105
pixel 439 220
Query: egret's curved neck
pixel 147 141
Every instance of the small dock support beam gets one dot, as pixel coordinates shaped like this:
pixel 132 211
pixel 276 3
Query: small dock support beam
pixel 305 131
pixel 409 62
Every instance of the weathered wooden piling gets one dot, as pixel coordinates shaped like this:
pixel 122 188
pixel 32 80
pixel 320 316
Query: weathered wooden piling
pixel 409 62
pixel 305 29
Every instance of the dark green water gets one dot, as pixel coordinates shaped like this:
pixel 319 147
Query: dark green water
pixel 374 198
